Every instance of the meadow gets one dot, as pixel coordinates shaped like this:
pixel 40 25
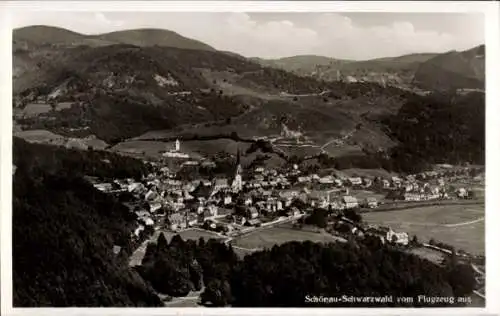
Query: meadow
pixel 35 109
pixel 461 226
pixel 266 238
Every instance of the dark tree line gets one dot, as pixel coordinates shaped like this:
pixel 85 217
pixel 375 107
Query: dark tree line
pixel 64 233
pixel 58 159
pixel 439 129
pixel 178 267
pixel 284 275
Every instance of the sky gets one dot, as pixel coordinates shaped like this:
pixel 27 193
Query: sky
pixel 354 35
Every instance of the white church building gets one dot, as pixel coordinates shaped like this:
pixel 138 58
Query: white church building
pixel 176 151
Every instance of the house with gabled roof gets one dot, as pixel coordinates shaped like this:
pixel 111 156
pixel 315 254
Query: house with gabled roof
pixel 371 202
pixel 220 184
pixel 355 181
pixel 349 201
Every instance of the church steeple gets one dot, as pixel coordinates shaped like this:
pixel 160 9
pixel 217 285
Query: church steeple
pixel 237 181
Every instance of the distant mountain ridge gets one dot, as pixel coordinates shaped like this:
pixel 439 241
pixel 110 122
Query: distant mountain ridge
pixel 432 71
pixel 47 35
pixel 453 70
pixel 301 63
pixel 120 91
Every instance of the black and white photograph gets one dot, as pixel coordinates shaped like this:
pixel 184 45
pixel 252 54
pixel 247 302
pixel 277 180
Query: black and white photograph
pixel 246 159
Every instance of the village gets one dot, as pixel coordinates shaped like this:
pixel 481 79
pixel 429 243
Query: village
pixel 264 197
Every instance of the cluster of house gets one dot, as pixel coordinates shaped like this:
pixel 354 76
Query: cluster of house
pixel 162 199
pixel 419 190
pixel 385 234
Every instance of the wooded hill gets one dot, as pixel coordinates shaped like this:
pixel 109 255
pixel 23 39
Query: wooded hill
pixel 64 231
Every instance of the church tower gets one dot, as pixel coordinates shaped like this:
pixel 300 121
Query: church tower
pixel 177 145
pixel 237 184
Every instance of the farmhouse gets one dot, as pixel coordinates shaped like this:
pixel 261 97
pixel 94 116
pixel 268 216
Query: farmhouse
pixel 397 238
pixel 371 202
pixel 355 181
pixel 349 201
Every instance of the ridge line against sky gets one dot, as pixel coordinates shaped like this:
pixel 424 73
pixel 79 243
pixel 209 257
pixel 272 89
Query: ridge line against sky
pixel 352 36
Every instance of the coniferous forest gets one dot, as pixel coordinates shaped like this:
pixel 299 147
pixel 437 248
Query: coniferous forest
pixel 284 275
pixel 64 231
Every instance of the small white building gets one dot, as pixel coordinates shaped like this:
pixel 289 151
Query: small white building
pixel 397 238
pixel 355 181
pixel 327 180
pixel 371 202
pixel 462 193
pixel 349 201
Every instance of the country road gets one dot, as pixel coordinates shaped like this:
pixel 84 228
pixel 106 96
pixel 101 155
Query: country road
pixel 465 223
pixel 343 139
pixel 138 254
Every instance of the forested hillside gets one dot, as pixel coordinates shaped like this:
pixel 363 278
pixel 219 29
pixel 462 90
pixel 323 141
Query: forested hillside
pixel 427 130
pixel 284 275
pixel 60 160
pixel 440 129
pixel 64 231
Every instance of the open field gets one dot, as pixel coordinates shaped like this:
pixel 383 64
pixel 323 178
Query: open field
pixel 335 151
pixel 39 136
pixel 35 109
pixel 361 195
pixel 148 148
pixel 370 173
pixel 298 150
pixel 461 226
pixel 266 238
pixel 195 148
pixel 47 137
